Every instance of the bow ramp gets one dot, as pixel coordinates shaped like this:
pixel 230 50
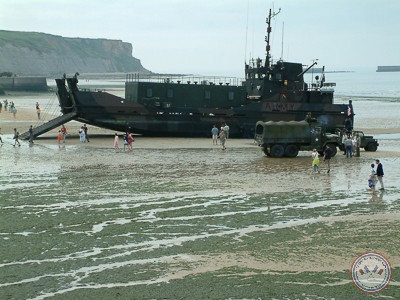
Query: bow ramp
pixel 49 125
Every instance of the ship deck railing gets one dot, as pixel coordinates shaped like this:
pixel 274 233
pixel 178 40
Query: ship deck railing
pixel 186 79
pixel 325 87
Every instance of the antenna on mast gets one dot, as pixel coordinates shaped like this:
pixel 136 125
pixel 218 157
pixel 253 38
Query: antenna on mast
pixel 268 47
pixel 283 28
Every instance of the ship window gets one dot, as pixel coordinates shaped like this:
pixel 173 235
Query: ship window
pixel 170 93
pixel 149 92
pixel 207 95
pixel 231 96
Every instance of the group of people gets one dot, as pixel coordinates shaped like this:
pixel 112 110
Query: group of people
pixel 128 141
pixel 326 157
pixel 15 137
pixel 222 134
pixel 83 134
pixel 351 144
pixel 12 109
pixel 62 134
pixel 374 176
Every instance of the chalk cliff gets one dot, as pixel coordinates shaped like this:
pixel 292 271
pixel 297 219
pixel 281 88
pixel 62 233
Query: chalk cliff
pixel 40 54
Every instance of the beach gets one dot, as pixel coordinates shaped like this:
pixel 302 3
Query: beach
pixel 179 218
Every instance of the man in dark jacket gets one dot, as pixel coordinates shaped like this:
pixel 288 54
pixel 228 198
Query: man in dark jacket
pixel 379 173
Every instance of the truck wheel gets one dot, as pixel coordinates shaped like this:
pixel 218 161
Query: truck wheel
pixel 291 151
pixel 333 149
pixel 277 151
pixel 371 147
pixel 265 150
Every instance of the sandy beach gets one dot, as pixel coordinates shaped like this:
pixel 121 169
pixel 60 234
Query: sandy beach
pixel 180 218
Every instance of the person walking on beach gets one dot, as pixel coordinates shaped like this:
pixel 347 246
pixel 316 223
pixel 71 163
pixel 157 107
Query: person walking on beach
pixel 126 142
pixel 372 178
pixel 82 135
pixel 38 110
pixel 214 134
pixel 1 141
pixel 30 134
pixel 116 142
pixel 16 138
pixel 59 137
pixel 222 138
pixel 63 132
pixel 130 141
pixel 226 129
pixel 327 157
pixel 348 143
pixel 379 173
pixel 85 129
pixel 13 109
pixel 315 161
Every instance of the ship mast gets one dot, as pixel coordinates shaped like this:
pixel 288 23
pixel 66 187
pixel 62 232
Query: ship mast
pixel 268 47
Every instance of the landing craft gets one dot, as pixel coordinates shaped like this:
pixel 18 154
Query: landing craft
pixel 172 106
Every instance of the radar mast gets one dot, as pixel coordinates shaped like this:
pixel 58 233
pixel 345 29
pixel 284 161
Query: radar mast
pixel 267 37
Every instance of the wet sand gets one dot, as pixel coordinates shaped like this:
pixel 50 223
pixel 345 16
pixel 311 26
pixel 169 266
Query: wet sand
pixel 180 218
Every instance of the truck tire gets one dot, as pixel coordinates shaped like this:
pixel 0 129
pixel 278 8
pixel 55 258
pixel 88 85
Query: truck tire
pixel 277 150
pixel 333 149
pixel 371 147
pixel 265 150
pixel 291 150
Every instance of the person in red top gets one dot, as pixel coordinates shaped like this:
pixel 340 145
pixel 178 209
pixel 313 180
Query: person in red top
pixel 59 137
pixel 64 133
pixel 130 141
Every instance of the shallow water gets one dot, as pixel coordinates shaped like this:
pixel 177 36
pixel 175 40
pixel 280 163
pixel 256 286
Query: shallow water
pixel 82 221
pixel 83 217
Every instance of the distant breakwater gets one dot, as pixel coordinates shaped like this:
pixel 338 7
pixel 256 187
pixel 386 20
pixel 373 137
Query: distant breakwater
pixel 23 83
pixel 388 69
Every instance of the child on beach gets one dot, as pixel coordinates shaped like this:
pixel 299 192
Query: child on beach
pixel 59 137
pixel 315 161
pixel 372 178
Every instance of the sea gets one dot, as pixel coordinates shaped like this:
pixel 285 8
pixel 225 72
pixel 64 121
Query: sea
pixel 183 219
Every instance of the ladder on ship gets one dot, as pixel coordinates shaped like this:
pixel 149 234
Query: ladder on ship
pixel 49 125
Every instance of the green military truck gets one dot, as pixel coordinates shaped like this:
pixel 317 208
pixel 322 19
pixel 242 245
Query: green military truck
pixel 287 138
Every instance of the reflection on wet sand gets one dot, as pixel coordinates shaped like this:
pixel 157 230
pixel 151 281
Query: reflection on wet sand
pixel 377 197
pixel 79 220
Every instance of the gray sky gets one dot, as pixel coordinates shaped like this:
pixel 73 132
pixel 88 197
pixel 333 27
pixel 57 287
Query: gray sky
pixel 214 37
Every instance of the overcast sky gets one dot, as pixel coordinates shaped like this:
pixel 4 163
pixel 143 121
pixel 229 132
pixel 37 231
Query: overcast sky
pixel 215 37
